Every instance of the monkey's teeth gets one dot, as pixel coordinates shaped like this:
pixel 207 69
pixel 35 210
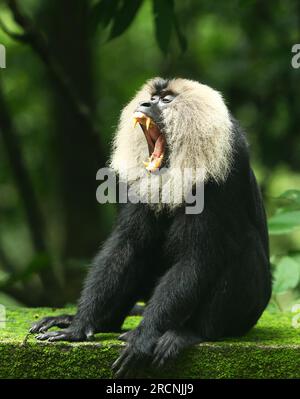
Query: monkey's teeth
pixel 148 123
pixel 141 118
pixel 153 164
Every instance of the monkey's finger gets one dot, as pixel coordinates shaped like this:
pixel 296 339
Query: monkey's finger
pixel 122 337
pixel 42 337
pixel 125 336
pixel 120 359
pixel 35 328
pixel 50 334
pixel 46 326
pixel 123 370
pixel 161 352
pixel 160 348
pixel 160 359
pixel 127 367
pixel 62 337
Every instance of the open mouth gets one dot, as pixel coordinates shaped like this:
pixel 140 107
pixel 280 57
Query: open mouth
pixel 155 140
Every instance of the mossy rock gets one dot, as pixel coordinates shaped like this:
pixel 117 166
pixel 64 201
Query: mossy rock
pixel 270 350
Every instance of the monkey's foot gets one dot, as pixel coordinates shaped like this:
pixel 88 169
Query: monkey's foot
pixel 170 344
pixel 130 362
pixel 44 324
pixel 127 336
pixel 137 353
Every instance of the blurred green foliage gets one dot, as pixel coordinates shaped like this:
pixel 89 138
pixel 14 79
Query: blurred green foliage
pixel 286 263
pixel 100 53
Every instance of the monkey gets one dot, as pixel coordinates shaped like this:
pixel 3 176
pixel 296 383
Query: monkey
pixel 203 276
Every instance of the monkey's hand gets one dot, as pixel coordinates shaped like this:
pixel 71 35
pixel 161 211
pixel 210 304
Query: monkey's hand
pixel 137 354
pixel 44 324
pixel 70 332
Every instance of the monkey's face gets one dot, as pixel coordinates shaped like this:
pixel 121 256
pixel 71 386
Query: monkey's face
pixel 179 124
pixel 149 115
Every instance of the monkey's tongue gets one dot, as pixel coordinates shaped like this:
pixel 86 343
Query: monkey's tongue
pixel 159 146
pixel 156 144
pixel 156 158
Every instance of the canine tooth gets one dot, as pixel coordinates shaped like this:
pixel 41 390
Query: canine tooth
pixel 146 164
pixel 135 121
pixel 148 123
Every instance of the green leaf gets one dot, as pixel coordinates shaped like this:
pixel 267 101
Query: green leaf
pixel 102 13
pixel 284 222
pixel 124 17
pixel 181 38
pixel 289 201
pixel 163 12
pixel 165 21
pixel 291 195
pixel 286 275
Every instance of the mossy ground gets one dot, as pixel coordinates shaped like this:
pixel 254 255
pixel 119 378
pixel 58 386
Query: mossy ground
pixel 270 350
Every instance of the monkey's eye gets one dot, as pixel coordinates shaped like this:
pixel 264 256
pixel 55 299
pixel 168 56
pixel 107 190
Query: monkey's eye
pixel 155 98
pixel 167 99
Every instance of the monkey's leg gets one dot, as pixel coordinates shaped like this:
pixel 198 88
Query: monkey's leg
pixel 177 296
pixel 173 301
pixel 116 279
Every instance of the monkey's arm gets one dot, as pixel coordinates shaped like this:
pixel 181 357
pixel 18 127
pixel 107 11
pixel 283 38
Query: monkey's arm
pixel 113 283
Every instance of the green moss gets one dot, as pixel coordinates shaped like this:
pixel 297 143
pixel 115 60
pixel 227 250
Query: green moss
pixel 270 350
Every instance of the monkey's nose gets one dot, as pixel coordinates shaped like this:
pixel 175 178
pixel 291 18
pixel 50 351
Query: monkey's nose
pixel 146 104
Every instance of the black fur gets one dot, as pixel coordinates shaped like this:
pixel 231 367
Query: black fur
pixel 203 277
pixel 159 85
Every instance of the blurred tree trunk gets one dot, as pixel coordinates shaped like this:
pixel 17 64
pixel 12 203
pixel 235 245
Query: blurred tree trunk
pixel 4 261
pixel 21 175
pixel 77 148
pixel 26 190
